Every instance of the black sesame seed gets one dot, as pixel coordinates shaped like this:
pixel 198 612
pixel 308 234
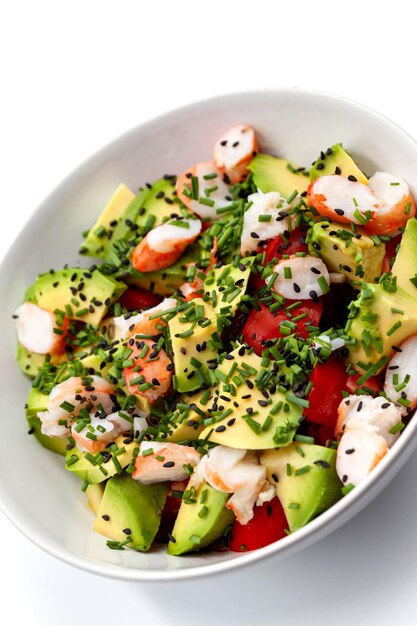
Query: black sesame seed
pixel 235 144
pixel 224 142
pixel 274 478
pixel 127 531
pixel 320 166
pixel 315 270
pixel 352 178
pixel 344 478
pixel 105 517
pixel 220 429
pixel 296 288
pixel 339 211
pixel 169 464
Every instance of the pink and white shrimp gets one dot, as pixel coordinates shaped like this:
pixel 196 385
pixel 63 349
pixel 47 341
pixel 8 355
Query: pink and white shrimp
pixel 340 198
pixel 99 432
pixel 401 374
pixel 74 395
pixel 396 204
pixel 237 472
pixel 361 448
pixel 273 206
pixel 301 278
pixel 376 412
pixel 234 150
pixel 164 245
pixel 163 462
pixel 35 329
pixel 141 323
pixel 209 185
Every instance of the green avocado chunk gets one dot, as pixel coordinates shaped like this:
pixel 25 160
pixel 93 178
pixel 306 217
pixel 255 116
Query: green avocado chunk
pixel 129 510
pixel 276 174
pixel 355 255
pixel 336 160
pixel 200 521
pixel 147 210
pixel 97 240
pixel 36 403
pixel 29 362
pixel 381 320
pixel 225 286
pixel 93 469
pixel 247 420
pixel 305 480
pixel 81 294
pixel 195 343
pixel 405 264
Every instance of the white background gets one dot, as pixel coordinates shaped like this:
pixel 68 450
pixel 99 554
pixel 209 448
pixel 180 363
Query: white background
pixel 76 74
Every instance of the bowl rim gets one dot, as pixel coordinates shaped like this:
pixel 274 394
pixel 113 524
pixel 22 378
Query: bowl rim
pixel 328 521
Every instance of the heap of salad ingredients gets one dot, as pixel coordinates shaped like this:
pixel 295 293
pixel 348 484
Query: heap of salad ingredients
pixel 240 356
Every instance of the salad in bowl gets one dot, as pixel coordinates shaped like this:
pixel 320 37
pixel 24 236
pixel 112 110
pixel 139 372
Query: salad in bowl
pixel 239 356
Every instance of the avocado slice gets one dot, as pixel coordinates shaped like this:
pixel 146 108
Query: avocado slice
pixel 224 286
pixel 35 403
pixel 335 160
pixel 405 264
pixel 201 521
pixel 277 174
pixel 355 255
pixel 187 422
pixel 94 495
pixel 305 480
pixel 97 241
pixel 131 510
pixel 29 362
pixel 272 422
pixel 94 469
pixel 193 345
pixel 381 320
pixel 88 294
pixel 152 205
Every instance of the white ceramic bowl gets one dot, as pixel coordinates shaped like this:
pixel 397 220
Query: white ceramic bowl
pixel 37 494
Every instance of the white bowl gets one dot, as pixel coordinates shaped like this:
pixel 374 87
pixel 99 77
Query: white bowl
pixel 37 494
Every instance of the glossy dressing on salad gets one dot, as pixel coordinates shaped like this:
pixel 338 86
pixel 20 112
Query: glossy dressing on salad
pixel 241 354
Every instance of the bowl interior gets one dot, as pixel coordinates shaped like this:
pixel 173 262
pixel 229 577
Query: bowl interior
pixel 37 493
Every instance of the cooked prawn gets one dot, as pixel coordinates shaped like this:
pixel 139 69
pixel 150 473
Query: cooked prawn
pixel 163 462
pixel 401 374
pixel 99 432
pixel 377 412
pixel 234 150
pixel 340 199
pixel 154 370
pixel 361 448
pixel 301 278
pixel 40 331
pixel 164 245
pixel 396 204
pixel 254 231
pixel 237 472
pixel 210 185
pixel 141 323
pixel 75 394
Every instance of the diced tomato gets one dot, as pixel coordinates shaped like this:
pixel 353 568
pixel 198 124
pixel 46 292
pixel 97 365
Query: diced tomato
pixel 267 525
pixel 263 325
pixel 390 248
pixel 137 299
pixel 276 247
pixel 372 384
pixel 328 378
pixel 321 434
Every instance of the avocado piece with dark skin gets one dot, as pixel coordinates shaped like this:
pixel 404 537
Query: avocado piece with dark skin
pixel 335 160
pixel 202 519
pixel 277 174
pixel 305 480
pixel 131 511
